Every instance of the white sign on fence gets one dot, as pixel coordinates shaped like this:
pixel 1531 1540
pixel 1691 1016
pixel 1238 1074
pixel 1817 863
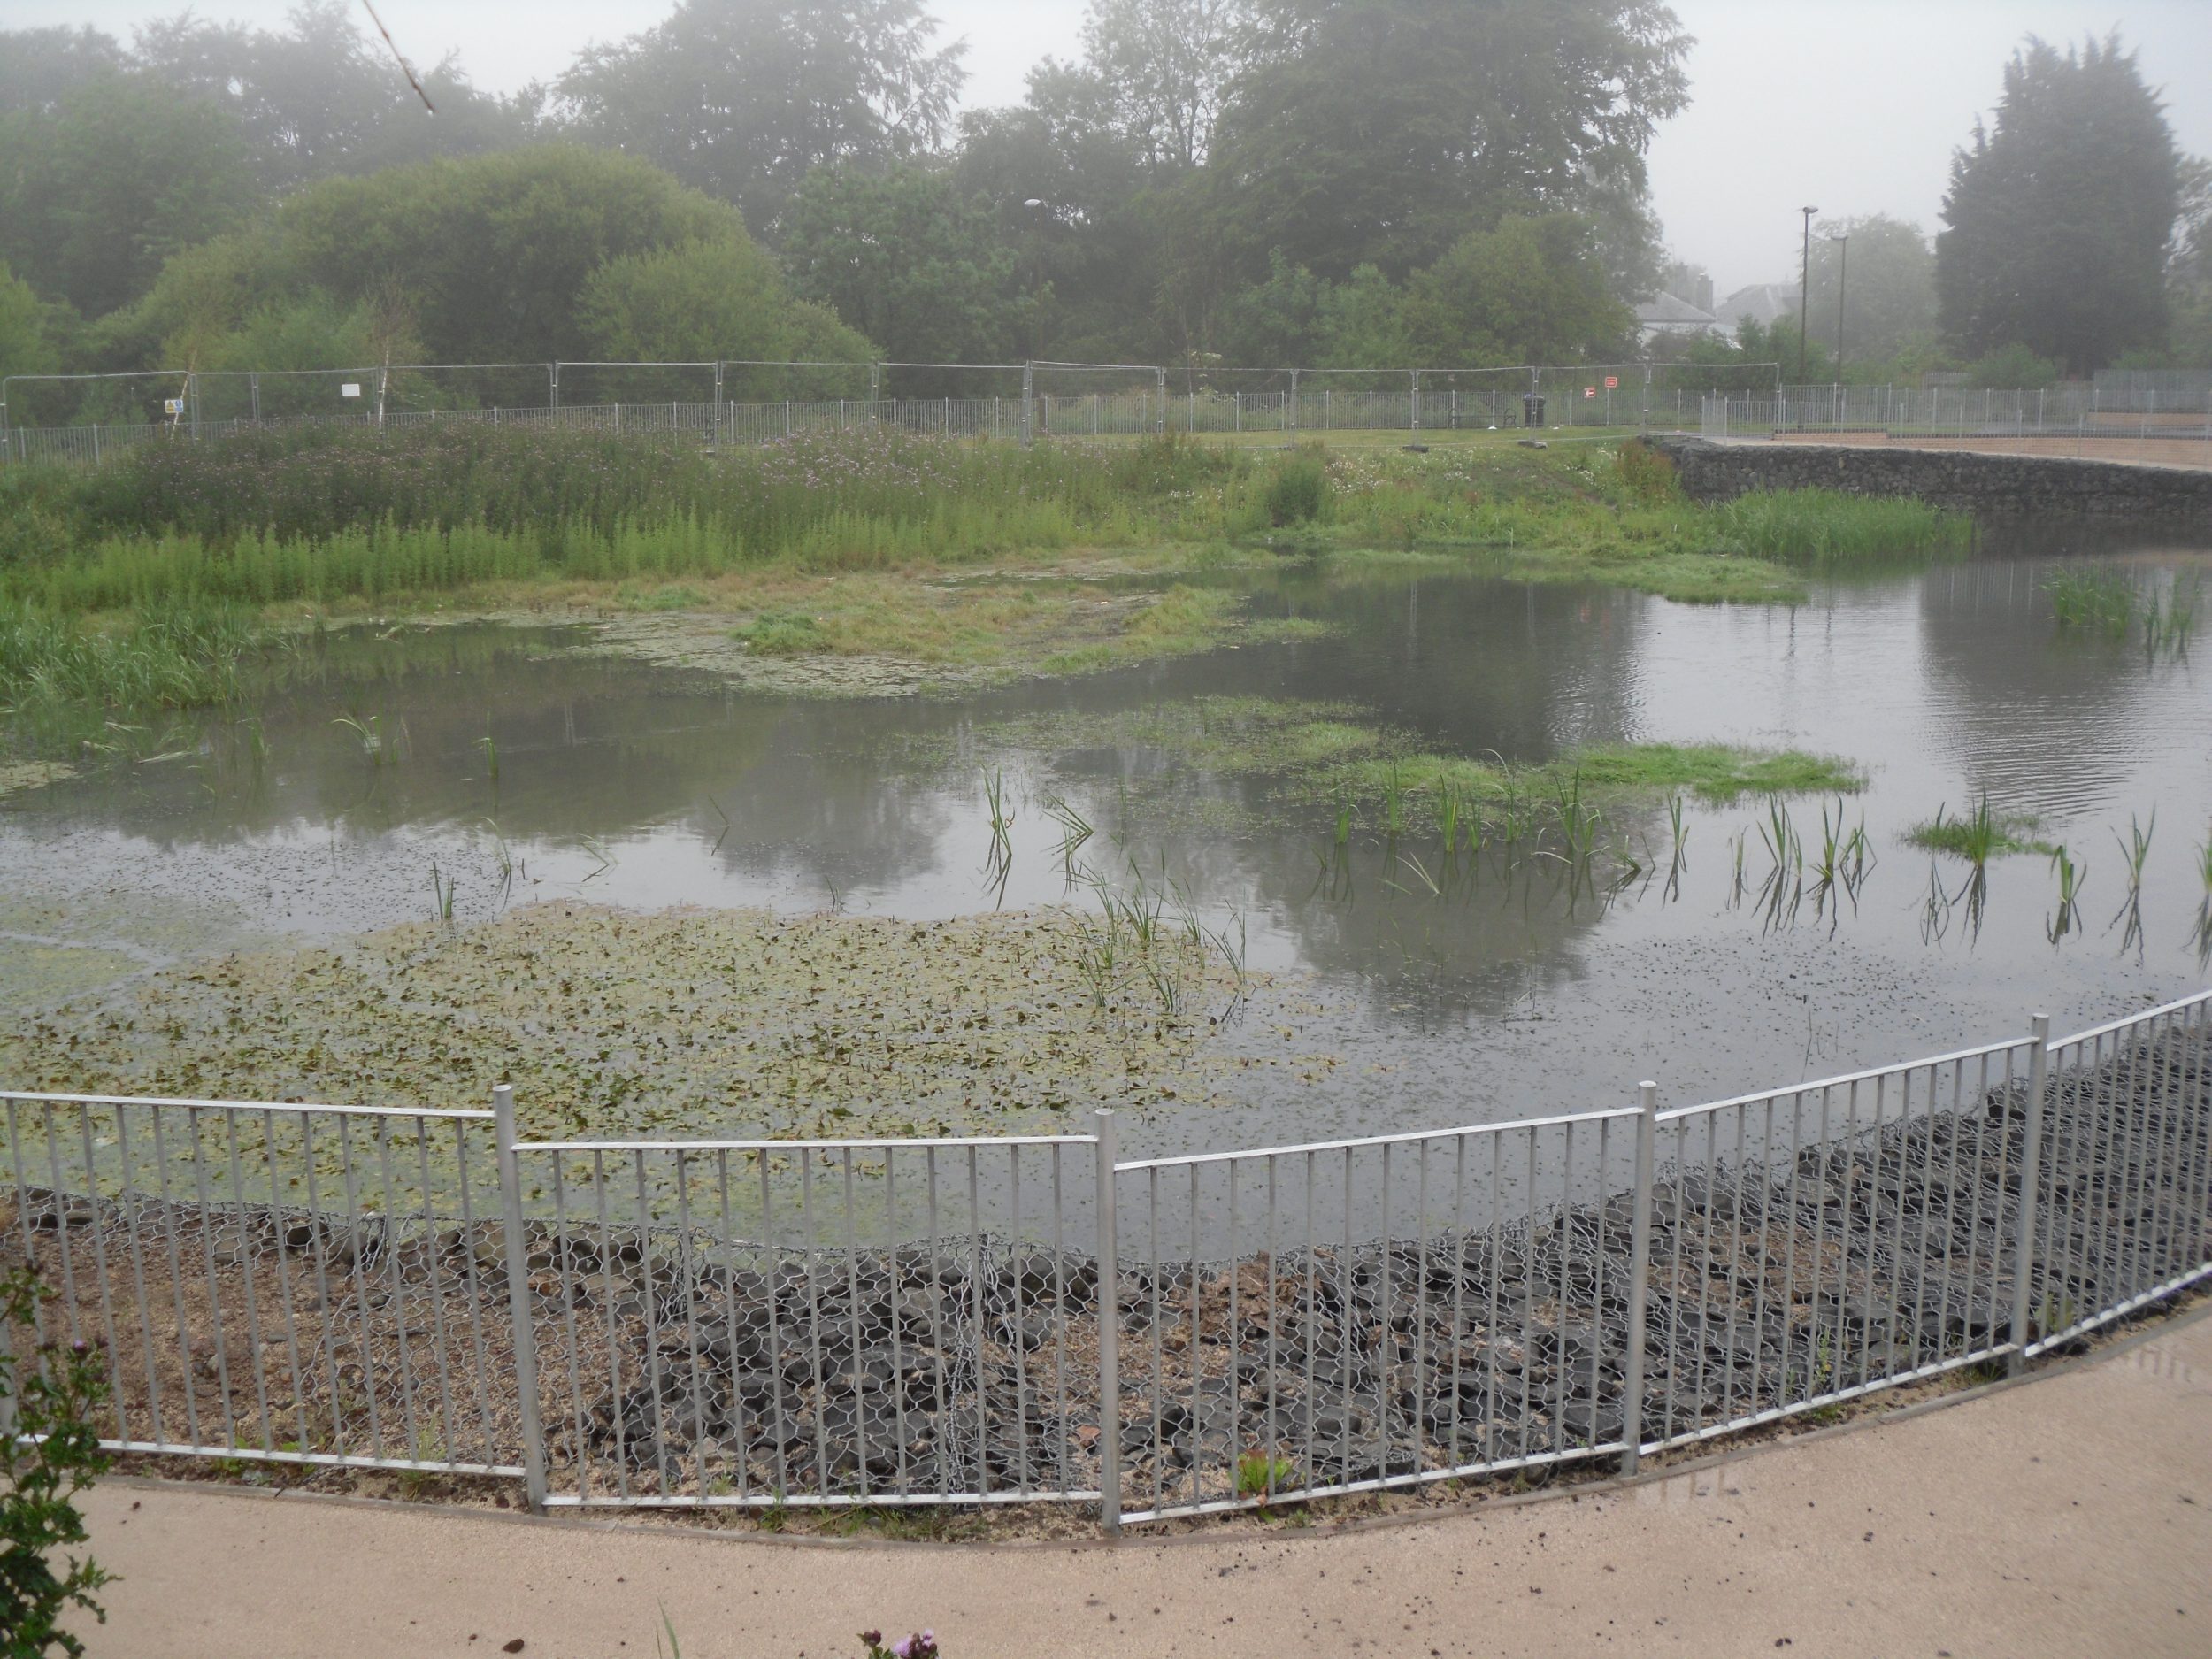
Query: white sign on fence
pixel 172 405
pixel 351 388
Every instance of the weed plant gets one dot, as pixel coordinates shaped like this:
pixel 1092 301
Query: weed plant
pixel 2092 600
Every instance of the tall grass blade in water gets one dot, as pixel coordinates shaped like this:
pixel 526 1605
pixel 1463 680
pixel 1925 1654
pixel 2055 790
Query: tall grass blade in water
pixel 2092 600
pixel 2072 878
pixel 1828 527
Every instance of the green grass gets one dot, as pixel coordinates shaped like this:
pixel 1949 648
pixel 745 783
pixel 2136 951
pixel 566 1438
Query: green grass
pixel 2091 600
pixel 68 681
pixel 326 515
pixel 1978 836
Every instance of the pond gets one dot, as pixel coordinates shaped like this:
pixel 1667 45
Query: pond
pixel 405 772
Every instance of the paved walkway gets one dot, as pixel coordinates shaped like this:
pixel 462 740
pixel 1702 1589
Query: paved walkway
pixel 2071 1516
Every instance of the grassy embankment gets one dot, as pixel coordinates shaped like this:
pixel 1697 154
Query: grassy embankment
pixel 139 586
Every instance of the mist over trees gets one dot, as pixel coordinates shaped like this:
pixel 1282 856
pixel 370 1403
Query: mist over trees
pixel 2059 216
pixel 1206 183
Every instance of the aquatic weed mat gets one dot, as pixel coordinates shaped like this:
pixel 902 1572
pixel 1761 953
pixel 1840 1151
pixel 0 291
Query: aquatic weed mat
pixel 613 1022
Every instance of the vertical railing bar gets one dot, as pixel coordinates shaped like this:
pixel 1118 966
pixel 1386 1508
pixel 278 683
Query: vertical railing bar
pixel 941 1425
pixel 398 1303
pixel 1197 1366
pixel 1710 1129
pixel 1159 1353
pixel 127 1196
pixel 1996 1256
pixel 360 1297
pixel 61 1228
pixel 30 1253
pixel 1232 1259
pixel 472 1283
pixel 1789 1250
pixel 894 1254
pixel 1873 1226
pixel 2118 1115
pixel 1311 1476
pixel 1845 1232
pixel 214 1288
pixel 290 1301
pixel 2137 1241
pixel 1597 1271
pixel 1016 1258
pixel 813 1318
pixel 2093 1177
pixel 1638 1335
pixel 1529 1273
pixel 1349 1324
pixel 1953 1123
pixel 430 1253
pixel 571 1346
pixel 1386 1336
pixel 858 1362
pixel 1272 1444
pixel 175 1277
pixel 1060 1316
pixel 741 1431
pixel 1108 1280
pixel 1490 1436
pixel 326 1308
pixel 2164 1163
pixel 1421 1368
pixel 614 1339
pixel 245 1260
pixel 689 1271
pixel 2031 1160
pixel 772 1276
pixel 1464 1224
pixel 976 1314
pixel 1563 1232
pixel 1903 1075
pixel 514 1253
pixel 1735 1246
pixel 2192 1122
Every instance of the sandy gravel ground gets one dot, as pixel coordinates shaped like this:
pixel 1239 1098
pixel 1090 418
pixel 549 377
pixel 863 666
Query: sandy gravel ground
pixel 2195 451
pixel 2071 1515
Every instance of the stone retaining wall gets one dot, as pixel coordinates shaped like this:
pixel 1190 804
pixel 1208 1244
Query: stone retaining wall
pixel 1995 484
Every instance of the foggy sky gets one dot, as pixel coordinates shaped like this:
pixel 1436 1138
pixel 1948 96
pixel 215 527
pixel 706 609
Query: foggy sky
pixel 1853 106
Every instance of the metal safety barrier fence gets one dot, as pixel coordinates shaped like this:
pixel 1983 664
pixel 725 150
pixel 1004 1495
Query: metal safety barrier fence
pixel 755 1322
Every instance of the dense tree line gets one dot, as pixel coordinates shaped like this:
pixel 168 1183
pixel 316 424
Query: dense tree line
pixel 1341 183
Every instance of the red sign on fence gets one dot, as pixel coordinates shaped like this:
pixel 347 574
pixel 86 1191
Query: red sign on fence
pixel 1612 382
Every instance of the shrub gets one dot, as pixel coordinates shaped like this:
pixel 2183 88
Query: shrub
pixel 782 633
pixel 40 1474
pixel 1297 491
pixel 1646 474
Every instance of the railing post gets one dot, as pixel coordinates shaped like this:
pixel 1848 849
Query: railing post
pixel 1639 1277
pixel 1109 1276
pixel 517 1258
pixel 15 1383
pixel 2030 1180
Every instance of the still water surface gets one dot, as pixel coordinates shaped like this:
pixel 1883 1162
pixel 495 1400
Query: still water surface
pixel 1513 991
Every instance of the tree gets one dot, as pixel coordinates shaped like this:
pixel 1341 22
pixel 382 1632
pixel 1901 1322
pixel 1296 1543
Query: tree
pixel 708 301
pixel 741 98
pixel 24 346
pixel 1533 290
pixel 2189 273
pixel 1153 73
pixel 98 191
pixel 40 67
pixel 1381 131
pixel 1887 273
pixel 905 259
pixel 322 97
pixel 2058 217
pixel 488 254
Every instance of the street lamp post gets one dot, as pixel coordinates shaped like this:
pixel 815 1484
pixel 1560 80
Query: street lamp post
pixel 1804 289
pixel 1843 272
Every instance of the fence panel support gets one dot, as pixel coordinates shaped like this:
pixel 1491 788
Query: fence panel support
pixel 2030 1180
pixel 519 1313
pixel 1639 1277
pixel 1109 1331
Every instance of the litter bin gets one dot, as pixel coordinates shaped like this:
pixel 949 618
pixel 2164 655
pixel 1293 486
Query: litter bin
pixel 1532 410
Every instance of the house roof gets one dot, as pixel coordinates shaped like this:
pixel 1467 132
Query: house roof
pixel 1668 310
pixel 1763 302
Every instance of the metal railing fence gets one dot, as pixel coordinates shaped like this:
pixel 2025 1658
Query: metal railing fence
pixel 762 1323
pixel 86 420
pixel 2073 412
